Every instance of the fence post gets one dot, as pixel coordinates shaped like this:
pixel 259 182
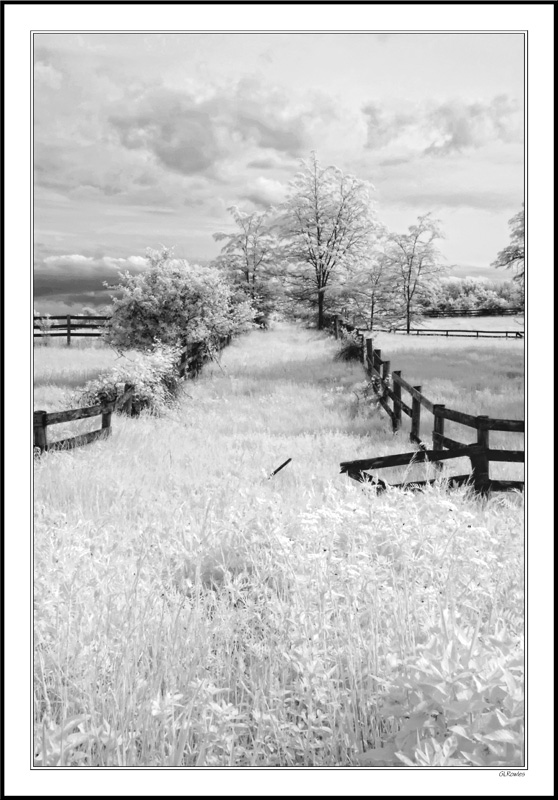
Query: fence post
pixel 377 359
pixel 68 330
pixel 396 401
pixel 438 432
pixel 40 430
pixel 369 356
pixel 386 369
pixel 106 420
pixel 336 325
pixel 415 416
pixel 480 463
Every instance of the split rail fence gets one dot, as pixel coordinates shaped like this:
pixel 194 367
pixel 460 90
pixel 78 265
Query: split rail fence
pixel 69 326
pixel 189 363
pixel 389 386
pixel 463 334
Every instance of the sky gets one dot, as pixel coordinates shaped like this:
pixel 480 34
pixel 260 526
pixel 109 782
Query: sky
pixel 143 140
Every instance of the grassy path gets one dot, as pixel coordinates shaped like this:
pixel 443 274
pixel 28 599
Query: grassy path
pixel 189 611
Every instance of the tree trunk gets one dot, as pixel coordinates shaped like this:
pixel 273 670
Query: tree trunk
pixel 408 314
pixel 321 308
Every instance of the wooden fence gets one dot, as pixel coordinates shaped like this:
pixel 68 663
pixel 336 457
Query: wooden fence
pixel 475 312
pixel 463 334
pixel 389 386
pixel 70 325
pixel 189 363
pixel 42 420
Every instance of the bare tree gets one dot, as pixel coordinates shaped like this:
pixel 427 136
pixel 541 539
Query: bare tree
pixel 416 263
pixel 250 254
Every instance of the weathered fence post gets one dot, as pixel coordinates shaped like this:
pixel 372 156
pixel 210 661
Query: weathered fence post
pixel 386 369
pixel 415 416
pixel 396 422
pixel 336 325
pixel 480 463
pixel 369 356
pixel 377 359
pixel 106 420
pixel 68 330
pixel 40 430
pixel 438 432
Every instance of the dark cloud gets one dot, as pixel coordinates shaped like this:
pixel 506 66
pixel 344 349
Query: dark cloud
pixel 62 276
pixel 191 136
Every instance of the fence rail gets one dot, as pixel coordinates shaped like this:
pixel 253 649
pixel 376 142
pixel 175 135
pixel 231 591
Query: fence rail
pixel 190 362
pixel 475 312
pixel 388 386
pixel 73 325
pixel 43 419
pixel 463 334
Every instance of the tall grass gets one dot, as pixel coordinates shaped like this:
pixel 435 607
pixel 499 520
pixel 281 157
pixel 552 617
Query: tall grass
pixel 191 611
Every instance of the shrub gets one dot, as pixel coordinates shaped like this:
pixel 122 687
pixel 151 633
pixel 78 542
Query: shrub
pixel 152 375
pixel 175 303
pixel 350 348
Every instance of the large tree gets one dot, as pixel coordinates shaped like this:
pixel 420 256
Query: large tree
pixel 328 225
pixel 416 263
pixel 513 256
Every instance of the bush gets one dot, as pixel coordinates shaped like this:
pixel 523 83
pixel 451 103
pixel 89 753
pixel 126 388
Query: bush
pixel 175 303
pixel 350 348
pixel 152 375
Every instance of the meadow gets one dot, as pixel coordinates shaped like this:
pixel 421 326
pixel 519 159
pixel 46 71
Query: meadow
pixel 190 610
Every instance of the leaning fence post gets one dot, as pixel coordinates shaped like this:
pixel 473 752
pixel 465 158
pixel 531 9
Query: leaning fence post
pixel 336 325
pixel 438 433
pixel 363 350
pixel 396 422
pixel 40 430
pixel 415 416
pixel 68 330
pixel 480 463
pixel 377 359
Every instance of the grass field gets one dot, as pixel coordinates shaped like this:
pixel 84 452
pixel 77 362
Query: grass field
pixel 191 611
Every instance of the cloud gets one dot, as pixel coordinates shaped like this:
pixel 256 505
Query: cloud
pixel 457 125
pixel 445 128
pixel 264 192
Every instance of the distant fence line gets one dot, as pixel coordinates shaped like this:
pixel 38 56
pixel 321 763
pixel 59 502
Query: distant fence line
pixel 463 334
pixel 190 362
pixel 474 312
pixel 68 326
pixel 443 448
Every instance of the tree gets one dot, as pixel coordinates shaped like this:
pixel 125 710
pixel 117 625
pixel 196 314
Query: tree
pixel 416 263
pixel 250 254
pixel 369 289
pixel 513 256
pixel 328 225
pixel 174 303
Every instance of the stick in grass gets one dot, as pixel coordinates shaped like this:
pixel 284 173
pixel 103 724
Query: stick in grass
pixel 279 468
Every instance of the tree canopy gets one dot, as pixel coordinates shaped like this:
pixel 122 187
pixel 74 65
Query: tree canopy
pixel 513 256
pixel 327 225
